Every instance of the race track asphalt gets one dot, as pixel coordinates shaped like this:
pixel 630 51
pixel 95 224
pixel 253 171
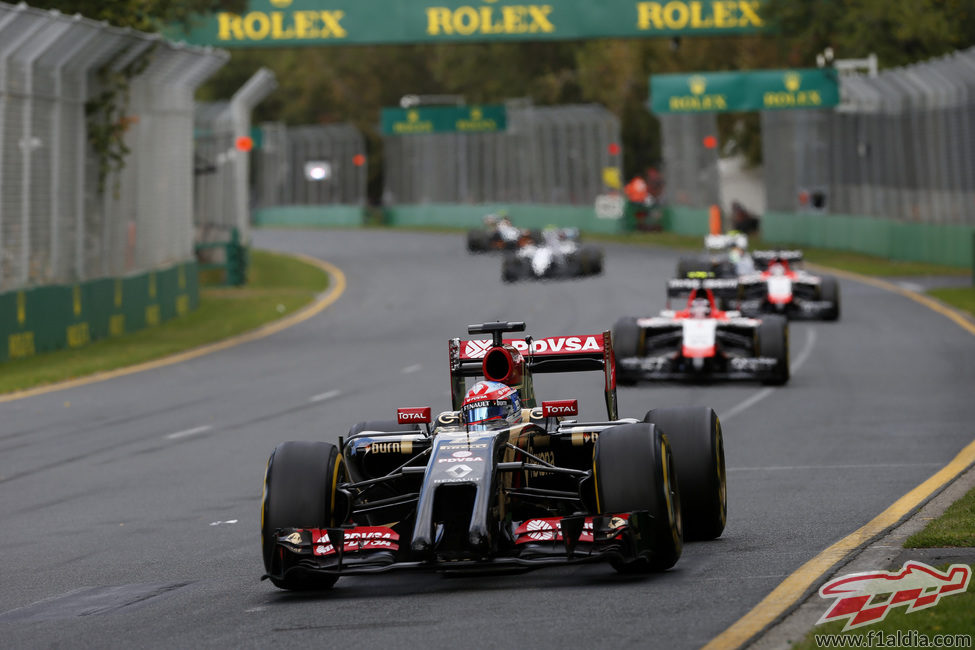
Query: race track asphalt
pixel 130 507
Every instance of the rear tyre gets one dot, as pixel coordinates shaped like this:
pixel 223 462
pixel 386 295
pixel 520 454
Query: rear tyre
pixel 510 268
pixel 299 492
pixel 477 241
pixel 698 447
pixel 829 291
pixel 773 341
pixel 635 470
pixel 687 265
pixel 626 343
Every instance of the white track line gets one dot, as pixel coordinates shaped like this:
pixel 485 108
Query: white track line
pixel 189 432
pixel 416 367
pixel 765 392
pixel 789 468
pixel 324 396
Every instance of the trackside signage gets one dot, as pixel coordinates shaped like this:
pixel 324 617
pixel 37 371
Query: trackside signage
pixel 275 23
pixel 444 119
pixel 715 92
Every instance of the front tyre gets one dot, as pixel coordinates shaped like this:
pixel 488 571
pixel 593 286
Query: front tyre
pixel 300 492
pixel 698 446
pixel 829 291
pixel 773 341
pixel 635 470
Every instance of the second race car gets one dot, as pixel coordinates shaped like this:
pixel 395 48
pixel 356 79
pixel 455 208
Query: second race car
pixel 779 287
pixel 558 256
pixel 702 342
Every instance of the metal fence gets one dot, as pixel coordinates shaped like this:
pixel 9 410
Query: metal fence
pixel 59 221
pixel 221 161
pixel 690 169
pixel 901 145
pixel 310 165
pixel 547 155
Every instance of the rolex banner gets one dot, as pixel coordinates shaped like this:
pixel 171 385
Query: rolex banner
pixel 275 23
pixel 709 92
pixel 444 119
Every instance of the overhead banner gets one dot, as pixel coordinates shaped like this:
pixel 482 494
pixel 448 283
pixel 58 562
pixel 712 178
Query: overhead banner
pixel 275 23
pixel 423 120
pixel 761 90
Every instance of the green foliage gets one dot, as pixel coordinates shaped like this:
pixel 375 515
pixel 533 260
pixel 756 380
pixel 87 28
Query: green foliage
pixel 143 15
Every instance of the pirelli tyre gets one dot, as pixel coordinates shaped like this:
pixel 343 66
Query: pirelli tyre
pixel 300 492
pixel 698 447
pixel 512 267
pixel 829 291
pixel 688 265
pixel 590 260
pixel 773 341
pixel 478 241
pixel 626 344
pixel 634 470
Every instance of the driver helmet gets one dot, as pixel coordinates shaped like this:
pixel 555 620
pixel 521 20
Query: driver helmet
pixel 700 308
pixel 491 405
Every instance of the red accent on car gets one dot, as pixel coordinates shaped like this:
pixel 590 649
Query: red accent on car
pixel 587 344
pixel 556 407
pixel 360 538
pixel 413 415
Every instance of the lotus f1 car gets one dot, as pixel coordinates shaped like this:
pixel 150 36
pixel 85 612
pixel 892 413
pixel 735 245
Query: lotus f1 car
pixel 467 492
pixel 778 288
pixel 558 256
pixel 702 342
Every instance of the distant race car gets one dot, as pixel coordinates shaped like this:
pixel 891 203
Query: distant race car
pixel 499 234
pixel 498 482
pixel 777 287
pixel 718 256
pixel 558 256
pixel 701 342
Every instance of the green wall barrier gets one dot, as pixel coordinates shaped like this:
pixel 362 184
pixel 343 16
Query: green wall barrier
pixel 309 215
pixel 951 245
pixel 686 221
pixel 523 215
pixel 71 316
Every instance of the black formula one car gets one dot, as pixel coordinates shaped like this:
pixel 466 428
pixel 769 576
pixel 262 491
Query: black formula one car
pixel 558 256
pixel 778 287
pixel 702 342
pixel 716 258
pixel 498 482
pixel 499 234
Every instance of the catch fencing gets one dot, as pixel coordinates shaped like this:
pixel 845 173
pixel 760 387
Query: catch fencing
pixel 310 165
pixel 900 146
pixel 63 216
pixel 547 155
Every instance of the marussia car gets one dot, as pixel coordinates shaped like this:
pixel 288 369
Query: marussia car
pixel 701 342
pixel 559 255
pixel 777 287
pixel 498 481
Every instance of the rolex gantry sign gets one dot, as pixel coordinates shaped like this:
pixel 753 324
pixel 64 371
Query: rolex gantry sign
pixel 444 119
pixel 274 23
pixel 712 92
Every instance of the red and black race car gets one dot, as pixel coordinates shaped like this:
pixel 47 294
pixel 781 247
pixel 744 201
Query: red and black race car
pixel 702 342
pixel 498 481
pixel 779 287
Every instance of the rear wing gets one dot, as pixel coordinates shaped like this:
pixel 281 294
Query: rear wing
pixel 552 354
pixel 764 258
pixel 724 241
pixel 726 288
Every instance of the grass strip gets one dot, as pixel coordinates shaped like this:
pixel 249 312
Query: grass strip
pixel 955 527
pixel 278 285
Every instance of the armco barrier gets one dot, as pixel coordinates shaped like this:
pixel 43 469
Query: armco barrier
pixel 70 316
pixel 523 215
pixel 897 240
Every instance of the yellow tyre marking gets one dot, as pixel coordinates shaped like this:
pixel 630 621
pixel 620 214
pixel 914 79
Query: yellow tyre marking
pixel 792 589
pixel 339 463
pixel 336 289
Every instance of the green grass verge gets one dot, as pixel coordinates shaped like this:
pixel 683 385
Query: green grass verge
pixel 278 286
pixel 952 615
pixel 956 527
pixel 959 297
